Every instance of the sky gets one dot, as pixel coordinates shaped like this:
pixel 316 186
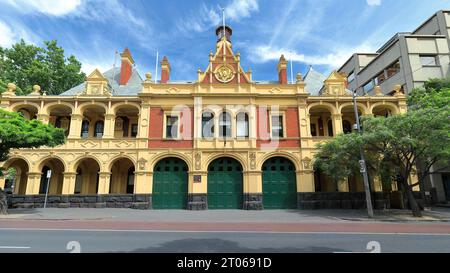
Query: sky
pixel 321 33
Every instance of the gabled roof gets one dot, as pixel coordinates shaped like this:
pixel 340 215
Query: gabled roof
pixel 313 81
pixel 132 88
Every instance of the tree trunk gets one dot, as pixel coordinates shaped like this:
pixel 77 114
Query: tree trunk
pixel 412 201
pixel 3 202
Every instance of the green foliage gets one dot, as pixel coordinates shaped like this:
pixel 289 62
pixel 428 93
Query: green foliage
pixel 394 145
pixel 17 132
pixel 435 93
pixel 27 65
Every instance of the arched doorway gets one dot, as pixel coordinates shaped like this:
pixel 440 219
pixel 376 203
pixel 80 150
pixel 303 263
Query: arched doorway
pixel 225 188
pixel 87 178
pixel 56 179
pixel 170 184
pixel 279 184
pixel 122 176
pixel 17 168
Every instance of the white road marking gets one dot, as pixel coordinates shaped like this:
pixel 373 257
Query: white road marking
pixel 229 231
pixel 15 247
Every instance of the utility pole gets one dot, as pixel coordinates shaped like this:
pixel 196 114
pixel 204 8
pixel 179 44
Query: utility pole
pixel 49 175
pixel 362 162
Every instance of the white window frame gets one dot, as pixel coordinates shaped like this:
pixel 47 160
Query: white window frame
pixel 214 124
pixel 219 131
pixel 283 115
pixel 170 114
pixel 248 125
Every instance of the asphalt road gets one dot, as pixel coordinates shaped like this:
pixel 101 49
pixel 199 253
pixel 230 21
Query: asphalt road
pixel 150 241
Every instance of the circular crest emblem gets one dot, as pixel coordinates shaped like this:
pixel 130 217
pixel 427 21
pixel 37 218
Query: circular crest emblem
pixel 224 73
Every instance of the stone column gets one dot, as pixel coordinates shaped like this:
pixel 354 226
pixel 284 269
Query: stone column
pixel 69 182
pixel 144 121
pixel 305 181
pixel 110 120
pixel 343 185
pixel 253 190
pixel 103 182
pixel 303 115
pixel 44 118
pixel 337 124
pixel 197 187
pixel 2 182
pixel 33 183
pixel 143 182
pixel 75 126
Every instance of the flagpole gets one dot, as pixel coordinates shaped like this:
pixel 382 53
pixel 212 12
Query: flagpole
pixel 292 73
pixel 156 67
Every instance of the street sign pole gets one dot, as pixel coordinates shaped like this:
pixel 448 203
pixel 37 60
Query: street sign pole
pixel 362 163
pixel 49 174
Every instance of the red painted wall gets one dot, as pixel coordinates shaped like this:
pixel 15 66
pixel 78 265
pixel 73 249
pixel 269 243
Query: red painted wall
pixel 292 129
pixel 186 124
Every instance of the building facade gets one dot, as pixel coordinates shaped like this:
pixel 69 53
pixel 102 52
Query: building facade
pixel 408 60
pixel 222 141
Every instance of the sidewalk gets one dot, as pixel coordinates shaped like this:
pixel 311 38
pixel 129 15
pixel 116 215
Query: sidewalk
pixel 218 216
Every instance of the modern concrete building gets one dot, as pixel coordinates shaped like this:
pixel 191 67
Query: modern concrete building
pixel 407 60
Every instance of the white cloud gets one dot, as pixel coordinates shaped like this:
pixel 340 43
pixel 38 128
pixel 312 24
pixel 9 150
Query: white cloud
pixel 208 16
pixel 50 7
pixel 87 66
pixel 333 60
pixel 241 9
pixel 373 2
pixel 7 37
pixel 14 31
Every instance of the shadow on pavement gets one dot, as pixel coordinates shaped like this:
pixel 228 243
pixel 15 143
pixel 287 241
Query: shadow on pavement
pixel 224 246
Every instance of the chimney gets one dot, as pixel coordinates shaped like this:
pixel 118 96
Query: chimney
pixel 165 70
pixel 126 67
pixel 282 75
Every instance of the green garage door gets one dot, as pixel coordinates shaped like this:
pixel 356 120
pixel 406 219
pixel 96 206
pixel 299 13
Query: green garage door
pixel 279 184
pixel 225 184
pixel 170 184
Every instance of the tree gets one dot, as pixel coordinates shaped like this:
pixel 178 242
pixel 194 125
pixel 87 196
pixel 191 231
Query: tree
pixel 396 144
pixel 17 132
pixel 27 65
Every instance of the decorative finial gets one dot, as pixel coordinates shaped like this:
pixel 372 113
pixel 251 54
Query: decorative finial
pixel 377 91
pixel 148 77
pixel 299 77
pixel 36 90
pixel 11 87
pixel 398 92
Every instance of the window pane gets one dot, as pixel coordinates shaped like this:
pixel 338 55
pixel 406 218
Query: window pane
pixel 242 125
pixel 428 60
pixel 277 126
pixel 351 77
pixel 208 124
pixel 225 125
pixel 172 127
pixel 368 86
pixel 393 69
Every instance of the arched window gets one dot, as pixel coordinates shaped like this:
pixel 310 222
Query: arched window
pixel 330 128
pixel 225 125
pixel 130 180
pixel 207 124
pixel 346 127
pixel 99 128
pixel 242 125
pixel 85 129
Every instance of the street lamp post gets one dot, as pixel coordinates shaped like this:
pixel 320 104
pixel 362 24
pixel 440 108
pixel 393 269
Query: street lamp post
pixel 362 162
